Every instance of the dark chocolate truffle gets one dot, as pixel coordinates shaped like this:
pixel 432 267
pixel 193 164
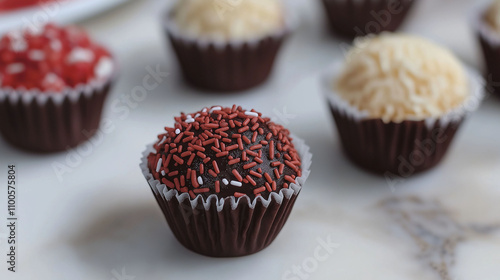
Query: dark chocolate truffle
pixel 227 152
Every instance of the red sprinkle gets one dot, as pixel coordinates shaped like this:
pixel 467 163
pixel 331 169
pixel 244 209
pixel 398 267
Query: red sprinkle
pixel 238 194
pixel 268 178
pixel 211 172
pixel 276 173
pixel 259 190
pixel 191 158
pixel 178 159
pixel 251 180
pixel 237 175
pixel 271 150
pixel 222 154
pixel 216 167
pixel 201 155
pixel 249 165
pixel 253 173
pixel 289 179
pixel 168 183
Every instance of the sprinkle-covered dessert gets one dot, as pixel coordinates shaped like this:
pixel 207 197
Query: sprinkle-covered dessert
pixel 7 5
pixel 227 45
pixel 398 101
pixel 51 59
pixel 53 83
pixel 227 152
pixel 226 179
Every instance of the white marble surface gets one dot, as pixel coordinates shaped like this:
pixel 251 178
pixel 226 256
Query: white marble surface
pixel 101 219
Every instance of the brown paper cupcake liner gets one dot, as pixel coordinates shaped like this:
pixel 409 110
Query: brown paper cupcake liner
pixel 490 45
pixel 226 66
pixel 354 18
pixel 52 122
pixel 397 149
pixel 227 227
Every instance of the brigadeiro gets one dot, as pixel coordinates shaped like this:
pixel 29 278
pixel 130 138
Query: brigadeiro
pixel 354 18
pixel 487 25
pixel 53 83
pixel 226 45
pixel 226 179
pixel 398 101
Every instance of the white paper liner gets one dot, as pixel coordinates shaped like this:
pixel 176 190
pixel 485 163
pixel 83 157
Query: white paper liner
pixel 172 28
pixel 481 26
pixel 476 84
pixel 294 188
pixel 73 94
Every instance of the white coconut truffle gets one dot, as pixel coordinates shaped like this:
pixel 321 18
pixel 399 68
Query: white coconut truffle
pixel 397 77
pixel 228 19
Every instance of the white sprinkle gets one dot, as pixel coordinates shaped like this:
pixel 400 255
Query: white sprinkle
pixel 80 55
pixel 162 140
pixel 163 172
pixel 251 114
pixel 236 183
pixel 158 165
pixel 36 55
pixel 37 30
pixel 189 117
pixel 51 33
pixel 215 109
pixel 51 78
pixel 225 181
pixel 189 120
pixel 177 131
pixel 56 45
pixel 18 43
pixel 15 68
pixel 204 110
pixel 197 115
pixel 200 181
pixel 104 67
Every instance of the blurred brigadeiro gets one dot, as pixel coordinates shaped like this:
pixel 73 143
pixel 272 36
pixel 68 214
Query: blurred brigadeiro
pixel 53 83
pixel 398 101
pixel 226 45
pixel 357 18
pixel 487 25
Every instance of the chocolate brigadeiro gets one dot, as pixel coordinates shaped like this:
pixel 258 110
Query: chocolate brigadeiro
pixel 487 27
pixel 355 18
pixel 226 179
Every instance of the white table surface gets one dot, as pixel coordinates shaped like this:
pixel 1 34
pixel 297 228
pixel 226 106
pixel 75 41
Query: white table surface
pixel 101 220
